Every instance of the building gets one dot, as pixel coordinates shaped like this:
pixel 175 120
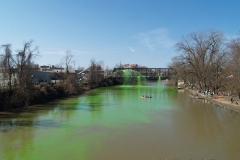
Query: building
pixel 41 76
pixel 4 79
pixel 51 68
pixel 130 66
pixel 46 74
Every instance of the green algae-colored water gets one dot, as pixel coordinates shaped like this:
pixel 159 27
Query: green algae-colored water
pixel 114 123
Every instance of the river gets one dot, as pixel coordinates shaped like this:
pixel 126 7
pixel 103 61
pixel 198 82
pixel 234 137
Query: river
pixel 114 123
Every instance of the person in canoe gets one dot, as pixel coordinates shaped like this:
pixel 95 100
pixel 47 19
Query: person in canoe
pixel 145 96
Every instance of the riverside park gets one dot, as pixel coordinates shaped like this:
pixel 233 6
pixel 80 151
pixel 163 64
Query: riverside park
pixel 118 123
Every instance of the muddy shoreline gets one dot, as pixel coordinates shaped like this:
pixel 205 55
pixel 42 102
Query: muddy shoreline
pixel 219 100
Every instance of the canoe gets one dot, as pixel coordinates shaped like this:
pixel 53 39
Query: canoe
pixel 145 97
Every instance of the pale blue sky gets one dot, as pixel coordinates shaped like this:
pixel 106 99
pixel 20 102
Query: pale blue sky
pixel 140 32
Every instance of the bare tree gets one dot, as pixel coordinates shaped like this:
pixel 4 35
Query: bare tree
pixel 95 74
pixel 7 64
pixel 203 55
pixel 68 60
pixel 24 63
pixel 107 71
pixel 119 65
pixel 179 70
pixel 233 72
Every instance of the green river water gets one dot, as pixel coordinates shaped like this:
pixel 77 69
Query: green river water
pixel 114 123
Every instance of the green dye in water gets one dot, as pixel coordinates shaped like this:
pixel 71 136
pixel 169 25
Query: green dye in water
pixel 132 77
pixel 159 80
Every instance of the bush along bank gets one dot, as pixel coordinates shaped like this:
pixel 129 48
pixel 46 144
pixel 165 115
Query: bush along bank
pixel 19 98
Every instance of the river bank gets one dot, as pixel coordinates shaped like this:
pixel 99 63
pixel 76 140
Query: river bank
pixel 219 100
pixel 16 100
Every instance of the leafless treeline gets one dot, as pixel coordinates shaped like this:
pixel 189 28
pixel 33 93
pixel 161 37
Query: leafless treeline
pixel 16 73
pixel 95 74
pixel 209 61
pixel 16 70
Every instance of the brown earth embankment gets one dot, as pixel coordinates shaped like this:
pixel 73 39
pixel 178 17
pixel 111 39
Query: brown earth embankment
pixel 219 100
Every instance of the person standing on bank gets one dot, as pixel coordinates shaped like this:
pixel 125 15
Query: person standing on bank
pixel 231 100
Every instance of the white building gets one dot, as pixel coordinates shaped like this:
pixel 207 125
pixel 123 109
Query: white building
pixel 51 68
pixel 4 80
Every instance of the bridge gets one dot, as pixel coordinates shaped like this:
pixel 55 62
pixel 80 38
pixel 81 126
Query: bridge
pixel 150 73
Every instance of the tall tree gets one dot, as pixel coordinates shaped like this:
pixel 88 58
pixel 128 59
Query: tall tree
pixel 179 70
pixel 204 55
pixel 24 63
pixel 67 60
pixel 7 64
pixel 95 74
pixel 233 72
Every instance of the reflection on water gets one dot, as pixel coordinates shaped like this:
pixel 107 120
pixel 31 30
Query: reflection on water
pixel 115 123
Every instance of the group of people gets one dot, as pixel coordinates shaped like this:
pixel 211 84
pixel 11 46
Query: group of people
pixel 143 96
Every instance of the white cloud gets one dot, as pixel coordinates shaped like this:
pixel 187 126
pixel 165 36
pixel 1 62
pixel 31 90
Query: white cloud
pixel 62 52
pixel 52 52
pixel 132 49
pixel 156 38
pixel 83 52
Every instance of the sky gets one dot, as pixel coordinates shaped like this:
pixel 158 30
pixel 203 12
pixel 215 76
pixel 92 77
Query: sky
pixel 142 32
